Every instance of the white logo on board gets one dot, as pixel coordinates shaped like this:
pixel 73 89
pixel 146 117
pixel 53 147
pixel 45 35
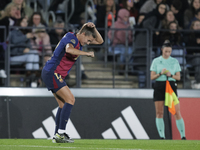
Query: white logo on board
pixel 121 128
pixel 49 126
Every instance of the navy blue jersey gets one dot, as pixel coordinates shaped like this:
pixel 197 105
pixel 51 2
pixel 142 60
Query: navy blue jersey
pixel 62 62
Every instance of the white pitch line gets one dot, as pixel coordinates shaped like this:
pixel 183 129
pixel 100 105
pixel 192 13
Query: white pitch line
pixel 70 147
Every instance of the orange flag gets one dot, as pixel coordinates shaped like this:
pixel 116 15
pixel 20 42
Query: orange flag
pixel 170 98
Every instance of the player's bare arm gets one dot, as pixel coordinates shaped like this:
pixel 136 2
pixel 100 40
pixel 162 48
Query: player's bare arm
pixel 98 39
pixel 71 50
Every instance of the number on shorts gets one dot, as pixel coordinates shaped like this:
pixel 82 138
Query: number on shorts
pixel 58 77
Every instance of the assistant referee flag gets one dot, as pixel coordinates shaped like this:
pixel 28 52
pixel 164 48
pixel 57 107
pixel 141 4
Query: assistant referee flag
pixel 170 98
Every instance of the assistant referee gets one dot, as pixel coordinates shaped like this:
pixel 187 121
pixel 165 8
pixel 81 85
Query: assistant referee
pixel 162 68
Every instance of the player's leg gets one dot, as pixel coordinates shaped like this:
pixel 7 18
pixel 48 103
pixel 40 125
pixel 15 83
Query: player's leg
pixel 160 125
pixel 57 119
pixel 64 94
pixel 179 121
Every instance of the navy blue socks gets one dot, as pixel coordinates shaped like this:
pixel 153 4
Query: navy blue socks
pixel 64 116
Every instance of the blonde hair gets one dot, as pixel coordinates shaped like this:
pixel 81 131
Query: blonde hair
pixel 7 10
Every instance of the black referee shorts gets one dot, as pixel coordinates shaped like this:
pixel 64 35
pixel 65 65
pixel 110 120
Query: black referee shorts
pixel 159 90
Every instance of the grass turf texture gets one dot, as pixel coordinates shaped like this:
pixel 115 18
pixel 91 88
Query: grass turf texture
pixel 43 144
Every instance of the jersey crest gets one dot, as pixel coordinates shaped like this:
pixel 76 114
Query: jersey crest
pixel 73 41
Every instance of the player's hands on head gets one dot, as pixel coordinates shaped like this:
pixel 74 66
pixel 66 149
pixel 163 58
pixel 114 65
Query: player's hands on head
pixel 90 54
pixel 90 24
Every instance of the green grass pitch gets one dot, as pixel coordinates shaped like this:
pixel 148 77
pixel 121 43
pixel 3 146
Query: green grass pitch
pixel 43 144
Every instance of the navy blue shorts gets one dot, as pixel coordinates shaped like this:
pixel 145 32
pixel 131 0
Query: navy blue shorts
pixel 53 81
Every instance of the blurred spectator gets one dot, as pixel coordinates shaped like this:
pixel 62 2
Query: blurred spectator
pixel 41 42
pixel 21 51
pixel 118 37
pixel 129 5
pixel 140 18
pixel 193 52
pixel 149 5
pixel 185 4
pixel 174 37
pixel 57 34
pixel 190 13
pixel 139 3
pixel 176 7
pixel 36 20
pixel 169 17
pixel 194 38
pixel 23 8
pixel 196 17
pixel 178 52
pixel 9 17
pixel 153 19
pixel 104 10
pixel 3 5
pixel 77 18
pixel 21 48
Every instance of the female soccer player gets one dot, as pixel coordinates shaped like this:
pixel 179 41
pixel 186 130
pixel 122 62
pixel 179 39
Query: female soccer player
pixel 158 69
pixel 57 68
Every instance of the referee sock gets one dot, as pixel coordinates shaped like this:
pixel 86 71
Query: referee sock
pixel 57 119
pixel 181 127
pixel 64 116
pixel 160 127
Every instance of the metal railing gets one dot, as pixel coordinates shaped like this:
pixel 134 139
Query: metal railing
pixel 68 17
pixel 148 47
pixel 28 3
pixel 2 43
pixel 106 32
pixel 86 7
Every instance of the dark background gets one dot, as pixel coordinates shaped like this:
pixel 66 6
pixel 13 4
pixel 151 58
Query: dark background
pixel 90 116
